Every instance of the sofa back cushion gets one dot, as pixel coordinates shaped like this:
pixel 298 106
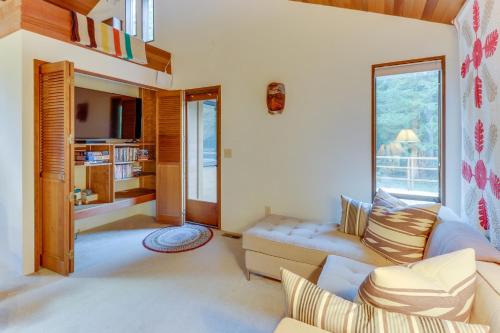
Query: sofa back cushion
pixel 400 234
pixel 449 236
pixel 382 198
pixel 441 287
pixel 354 216
pixel 310 304
pixel 486 306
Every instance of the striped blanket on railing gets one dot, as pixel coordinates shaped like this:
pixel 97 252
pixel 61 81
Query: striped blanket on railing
pixel 105 38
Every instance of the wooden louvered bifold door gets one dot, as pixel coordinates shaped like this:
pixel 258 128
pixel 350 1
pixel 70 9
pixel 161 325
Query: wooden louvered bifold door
pixel 56 121
pixel 168 157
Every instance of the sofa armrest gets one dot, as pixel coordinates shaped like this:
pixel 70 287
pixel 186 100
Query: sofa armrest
pixel 289 325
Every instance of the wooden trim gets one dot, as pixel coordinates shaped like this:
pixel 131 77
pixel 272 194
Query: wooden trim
pixel 36 138
pixel 114 206
pixel 442 128
pixel 198 94
pixel 442 120
pixel 50 20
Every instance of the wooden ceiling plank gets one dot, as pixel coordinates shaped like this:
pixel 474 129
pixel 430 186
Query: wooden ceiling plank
pixel 430 6
pixel 389 7
pixel 81 6
pixel 413 9
pixel 376 6
pixel 441 11
pixel 451 11
pixel 398 7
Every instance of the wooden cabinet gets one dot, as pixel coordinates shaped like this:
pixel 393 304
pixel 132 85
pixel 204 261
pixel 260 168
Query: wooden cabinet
pixel 56 168
pixel 169 157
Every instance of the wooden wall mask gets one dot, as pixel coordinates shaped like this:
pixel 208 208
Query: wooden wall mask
pixel 276 98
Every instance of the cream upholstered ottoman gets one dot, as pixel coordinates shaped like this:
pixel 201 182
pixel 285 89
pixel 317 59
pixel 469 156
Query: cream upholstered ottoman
pixel 300 246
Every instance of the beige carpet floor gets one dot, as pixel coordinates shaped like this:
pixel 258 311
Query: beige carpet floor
pixel 119 286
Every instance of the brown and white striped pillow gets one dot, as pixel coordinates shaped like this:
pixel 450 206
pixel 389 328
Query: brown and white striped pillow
pixel 312 305
pixel 400 234
pixel 354 216
pixel 441 287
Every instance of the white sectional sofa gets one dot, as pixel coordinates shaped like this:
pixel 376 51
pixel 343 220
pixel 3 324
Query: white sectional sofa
pixel 339 263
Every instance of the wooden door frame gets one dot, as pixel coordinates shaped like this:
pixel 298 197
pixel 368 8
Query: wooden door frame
pixel 442 123
pixel 205 93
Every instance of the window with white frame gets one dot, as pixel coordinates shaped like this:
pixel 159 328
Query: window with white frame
pixel 131 17
pixel 408 132
pixel 148 33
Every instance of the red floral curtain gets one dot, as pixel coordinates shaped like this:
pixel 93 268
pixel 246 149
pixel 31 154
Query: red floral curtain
pixel 478 29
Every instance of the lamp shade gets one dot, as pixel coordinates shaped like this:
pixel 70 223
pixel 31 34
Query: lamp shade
pixel 407 136
pixel 391 149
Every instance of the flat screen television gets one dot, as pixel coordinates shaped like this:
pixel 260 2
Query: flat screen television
pixel 101 115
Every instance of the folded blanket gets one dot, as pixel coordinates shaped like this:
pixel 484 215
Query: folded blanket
pixel 105 38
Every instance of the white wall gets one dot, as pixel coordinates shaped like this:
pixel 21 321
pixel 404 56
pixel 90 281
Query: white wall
pixel 11 212
pixel 35 46
pixel 297 163
pixel 108 8
pixel 300 162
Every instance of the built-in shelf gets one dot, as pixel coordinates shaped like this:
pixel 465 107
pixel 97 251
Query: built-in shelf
pixel 132 162
pixel 128 162
pixel 144 174
pixel 92 164
pixel 123 199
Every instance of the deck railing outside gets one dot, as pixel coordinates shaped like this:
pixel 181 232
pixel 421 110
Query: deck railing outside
pixel 410 174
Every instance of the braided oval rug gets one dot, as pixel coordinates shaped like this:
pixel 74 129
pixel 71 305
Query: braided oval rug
pixel 178 239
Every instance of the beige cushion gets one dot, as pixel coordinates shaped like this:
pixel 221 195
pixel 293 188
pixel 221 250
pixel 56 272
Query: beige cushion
pixel 382 198
pixel 441 287
pixel 310 304
pixel 486 306
pixel 270 266
pixel 343 276
pixel 449 236
pixel 400 234
pixel 306 241
pixel 289 325
pixel 354 216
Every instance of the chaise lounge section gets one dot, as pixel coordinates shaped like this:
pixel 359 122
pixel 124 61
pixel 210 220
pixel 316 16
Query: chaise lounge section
pixel 339 262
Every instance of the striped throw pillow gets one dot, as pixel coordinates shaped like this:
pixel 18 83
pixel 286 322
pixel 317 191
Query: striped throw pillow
pixel 382 198
pixel 400 234
pixel 310 304
pixel 441 287
pixel 354 216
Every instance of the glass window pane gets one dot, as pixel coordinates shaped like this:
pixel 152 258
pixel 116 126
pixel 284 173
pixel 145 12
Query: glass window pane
pixel 131 17
pixel 408 108
pixel 148 20
pixel 202 150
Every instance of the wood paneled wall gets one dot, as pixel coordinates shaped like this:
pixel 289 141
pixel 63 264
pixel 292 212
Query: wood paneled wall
pixel 47 19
